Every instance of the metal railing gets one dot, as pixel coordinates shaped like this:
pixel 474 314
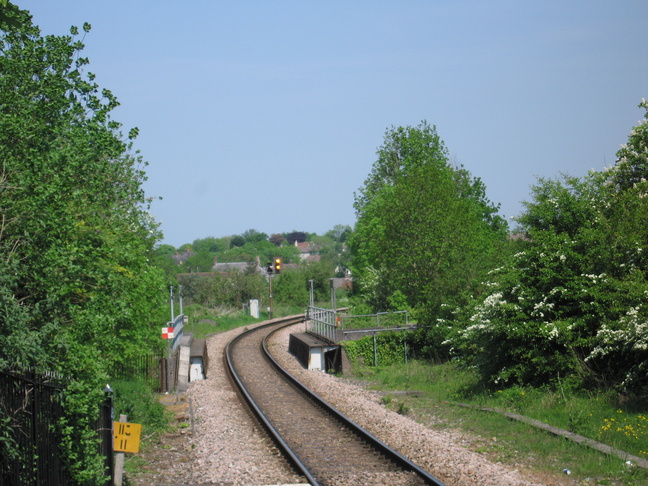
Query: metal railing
pixel 334 326
pixel 31 408
pixel 178 331
pixel 395 319
pixel 323 322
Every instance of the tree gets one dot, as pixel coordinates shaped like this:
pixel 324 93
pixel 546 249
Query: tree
pixel 425 233
pixel 237 241
pixel 339 232
pixel 632 160
pixel 277 239
pixel 10 18
pixel 253 236
pixel 296 236
pixel 210 245
pixel 76 232
pixel 571 304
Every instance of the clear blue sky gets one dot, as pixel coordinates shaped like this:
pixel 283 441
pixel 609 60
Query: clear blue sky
pixel 267 115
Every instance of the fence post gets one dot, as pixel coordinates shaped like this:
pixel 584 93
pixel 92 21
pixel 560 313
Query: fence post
pixel 119 461
pixel 107 435
pixel 375 349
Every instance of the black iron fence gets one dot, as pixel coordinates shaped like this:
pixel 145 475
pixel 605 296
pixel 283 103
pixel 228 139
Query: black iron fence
pixel 160 373
pixel 147 368
pixel 30 434
pixel 30 411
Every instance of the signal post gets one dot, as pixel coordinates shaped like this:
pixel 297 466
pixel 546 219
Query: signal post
pixel 273 268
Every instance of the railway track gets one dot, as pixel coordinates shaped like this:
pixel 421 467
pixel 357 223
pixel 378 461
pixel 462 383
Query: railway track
pixel 324 445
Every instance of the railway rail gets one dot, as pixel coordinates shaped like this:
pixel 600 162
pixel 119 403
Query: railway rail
pixel 323 444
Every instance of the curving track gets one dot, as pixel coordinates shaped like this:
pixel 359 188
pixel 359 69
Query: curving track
pixel 324 445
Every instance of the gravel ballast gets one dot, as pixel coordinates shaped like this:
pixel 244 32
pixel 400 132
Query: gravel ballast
pixel 228 447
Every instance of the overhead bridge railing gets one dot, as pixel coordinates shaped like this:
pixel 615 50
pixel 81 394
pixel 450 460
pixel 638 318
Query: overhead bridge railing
pixel 335 326
pixel 323 322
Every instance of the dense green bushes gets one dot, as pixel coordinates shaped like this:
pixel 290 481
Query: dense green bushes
pixel 77 290
pixel 566 301
pixel 136 400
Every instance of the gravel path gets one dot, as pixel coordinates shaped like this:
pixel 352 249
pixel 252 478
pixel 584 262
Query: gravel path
pixel 227 447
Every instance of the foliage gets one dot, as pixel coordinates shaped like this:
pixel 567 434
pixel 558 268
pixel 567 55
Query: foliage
pixel 290 288
pixel 603 415
pixel 210 245
pixel 385 349
pixel 339 232
pixel 254 236
pixel 632 160
pixel 571 305
pixel 426 234
pixel 138 402
pixel 76 288
pixel 277 239
pixel 293 286
pixel 299 236
pixel 231 290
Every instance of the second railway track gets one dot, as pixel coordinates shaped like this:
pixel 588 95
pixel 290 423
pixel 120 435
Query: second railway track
pixel 327 447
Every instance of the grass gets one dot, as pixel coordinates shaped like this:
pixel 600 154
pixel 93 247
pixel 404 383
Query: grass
pixel 204 321
pixel 606 417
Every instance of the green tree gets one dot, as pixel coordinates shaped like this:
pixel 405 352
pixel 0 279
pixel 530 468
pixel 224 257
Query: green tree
pixel 571 304
pixel 339 232
pixel 425 233
pixel 75 228
pixel 253 236
pixel 632 160
pixel 277 239
pixel 290 288
pixel 237 241
pixel 202 262
pixel 210 245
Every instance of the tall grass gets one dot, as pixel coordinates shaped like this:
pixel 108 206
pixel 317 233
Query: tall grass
pixel 602 416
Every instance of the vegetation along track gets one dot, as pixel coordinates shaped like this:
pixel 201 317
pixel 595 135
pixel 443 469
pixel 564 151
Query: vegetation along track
pixel 327 447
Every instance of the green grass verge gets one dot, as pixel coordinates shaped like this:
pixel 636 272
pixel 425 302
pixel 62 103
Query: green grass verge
pixel 604 417
pixel 204 321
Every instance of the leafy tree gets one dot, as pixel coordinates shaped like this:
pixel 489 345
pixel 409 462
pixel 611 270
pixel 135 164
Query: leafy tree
pixel 299 236
pixel 201 262
pixel 237 241
pixel 425 234
pixel 320 273
pixel 75 229
pixel 290 288
pixel 339 232
pixel 229 290
pixel 571 304
pixel 165 250
pixel 277 239
pixel 210 245
pixel 10 17
pixel 632 160
pixel 253 236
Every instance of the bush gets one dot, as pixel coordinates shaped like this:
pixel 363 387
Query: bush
pixel 136 400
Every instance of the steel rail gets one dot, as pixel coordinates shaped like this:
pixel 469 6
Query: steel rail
pixel 370 438
pixel 274 434
pixel 393 455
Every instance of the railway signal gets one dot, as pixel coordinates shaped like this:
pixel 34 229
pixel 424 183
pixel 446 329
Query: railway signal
pixel 277 265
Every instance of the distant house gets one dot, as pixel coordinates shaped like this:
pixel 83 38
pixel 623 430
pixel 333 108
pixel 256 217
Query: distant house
pixel 342 283
pixel 181 258
pixel 308 251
